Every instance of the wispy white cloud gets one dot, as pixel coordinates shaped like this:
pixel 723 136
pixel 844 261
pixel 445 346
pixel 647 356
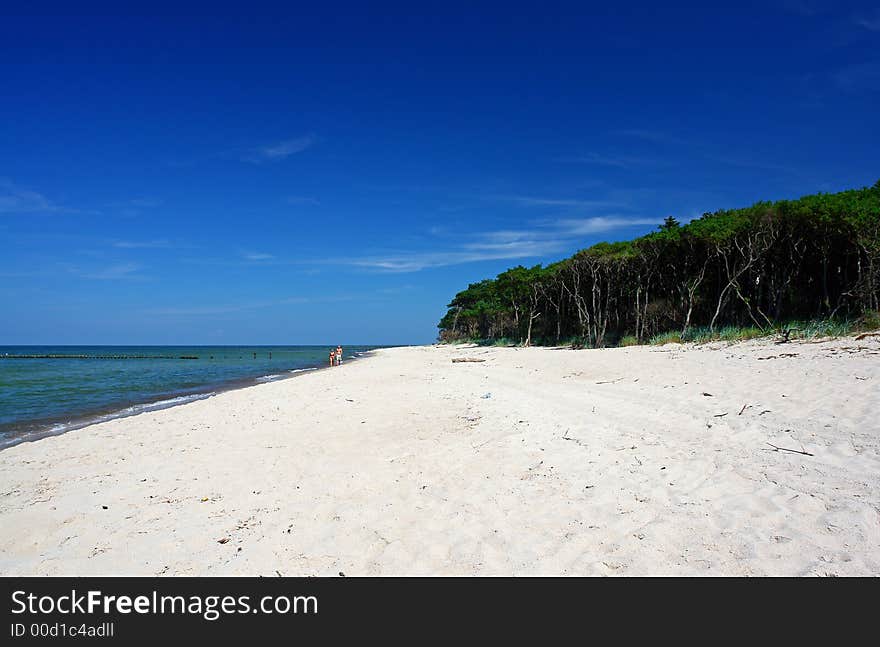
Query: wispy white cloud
pixel 616 161
pixel 529 201
pixel 653 136
pixel 693 150
pixel 753 163
pixel 24 274
pixel 870 22
pixel 301 200
pixel 144 203
pixel 221 309
pixel 859 77
pixel 111 273
pixel 135 207
pixel 147 203
pixel 551 237
pixel 217 309
pixel 18 200
pixel 257 256
pixel 807 8
pixel 396 290
pixel 142 244
pixel 279 150
pixel 415 262
pixel 600 224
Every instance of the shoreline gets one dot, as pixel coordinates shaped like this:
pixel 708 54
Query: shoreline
pixel 628 461
pixel 51 427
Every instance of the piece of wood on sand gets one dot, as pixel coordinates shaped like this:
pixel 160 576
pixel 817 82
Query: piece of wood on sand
pixel 793 451
pixel 457 360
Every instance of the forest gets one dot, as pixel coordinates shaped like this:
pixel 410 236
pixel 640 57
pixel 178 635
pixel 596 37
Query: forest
pixel 771 267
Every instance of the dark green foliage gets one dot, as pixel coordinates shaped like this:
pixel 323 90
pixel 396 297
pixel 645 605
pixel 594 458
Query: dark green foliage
pixel 747 269
pixel 669 224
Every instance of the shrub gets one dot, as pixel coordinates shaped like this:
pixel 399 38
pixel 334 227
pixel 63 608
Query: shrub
pixel 869 320
pixel 671 337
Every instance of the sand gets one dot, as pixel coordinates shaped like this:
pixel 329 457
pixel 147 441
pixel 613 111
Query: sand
pixel 632 461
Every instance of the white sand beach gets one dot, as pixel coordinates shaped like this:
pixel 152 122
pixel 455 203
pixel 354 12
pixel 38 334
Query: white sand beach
pixel 631 461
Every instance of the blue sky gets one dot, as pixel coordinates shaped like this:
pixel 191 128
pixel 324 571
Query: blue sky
pixel 296 176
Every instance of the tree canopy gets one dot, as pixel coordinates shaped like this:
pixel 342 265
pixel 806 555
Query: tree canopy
pixel 817 256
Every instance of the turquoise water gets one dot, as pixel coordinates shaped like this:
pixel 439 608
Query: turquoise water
pixel 84 384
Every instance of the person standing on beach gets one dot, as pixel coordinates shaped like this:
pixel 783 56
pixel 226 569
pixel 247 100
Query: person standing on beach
pixel 332 357
pixel 338 355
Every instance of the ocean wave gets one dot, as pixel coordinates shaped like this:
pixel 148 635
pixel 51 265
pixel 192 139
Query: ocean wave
pixel 161 404
pixel 133 410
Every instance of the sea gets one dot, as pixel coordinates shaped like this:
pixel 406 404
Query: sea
pixel 47 390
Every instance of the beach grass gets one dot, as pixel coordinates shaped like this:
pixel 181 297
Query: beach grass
pixel 669 337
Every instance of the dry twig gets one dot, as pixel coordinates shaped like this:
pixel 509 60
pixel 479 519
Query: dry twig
pixel 785 449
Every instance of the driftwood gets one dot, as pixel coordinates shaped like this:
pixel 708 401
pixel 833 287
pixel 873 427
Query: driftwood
pixel 785 449
pixel 865 335
pixel 576 441
pixel 457 360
